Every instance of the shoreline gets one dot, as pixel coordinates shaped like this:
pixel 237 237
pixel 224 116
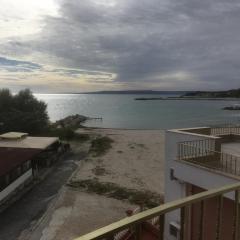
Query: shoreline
pixel 126 129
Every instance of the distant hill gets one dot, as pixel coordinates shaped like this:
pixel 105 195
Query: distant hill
pixel 139 92
pixel 234 93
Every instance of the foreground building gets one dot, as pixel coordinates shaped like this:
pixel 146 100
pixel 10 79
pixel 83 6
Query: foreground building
pixel 202 191
pixel 200 159
pixel 21 157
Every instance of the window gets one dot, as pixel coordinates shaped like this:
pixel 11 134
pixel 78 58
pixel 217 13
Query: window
pixel 7 179
pixel 26 166
pixel 2 183
pixel 14 174
pixel 174 229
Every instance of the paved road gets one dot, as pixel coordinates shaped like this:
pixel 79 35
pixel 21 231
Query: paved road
pixel 34 203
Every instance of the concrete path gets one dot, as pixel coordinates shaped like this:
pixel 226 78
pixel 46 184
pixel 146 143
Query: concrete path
pixel 231 148
pixel 26 211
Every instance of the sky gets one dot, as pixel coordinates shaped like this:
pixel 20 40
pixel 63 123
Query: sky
pixel 92 45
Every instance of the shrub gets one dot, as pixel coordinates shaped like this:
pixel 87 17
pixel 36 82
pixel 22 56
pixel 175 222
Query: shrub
pixel 101 145
pixel 65 134
pixel 140 197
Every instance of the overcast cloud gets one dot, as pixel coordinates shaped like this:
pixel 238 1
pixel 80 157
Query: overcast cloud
pixel 129 44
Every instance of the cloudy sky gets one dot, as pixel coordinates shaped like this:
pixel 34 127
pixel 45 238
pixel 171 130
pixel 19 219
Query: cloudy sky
pixel 88 45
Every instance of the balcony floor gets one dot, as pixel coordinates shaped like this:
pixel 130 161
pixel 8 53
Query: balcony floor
pixel 231 148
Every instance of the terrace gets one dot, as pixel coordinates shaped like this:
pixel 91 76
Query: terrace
pixel 221 153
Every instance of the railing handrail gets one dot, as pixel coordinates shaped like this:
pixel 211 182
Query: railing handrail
pixel 226 126
pixel 157 211
pixel 222 130
pixel 209 150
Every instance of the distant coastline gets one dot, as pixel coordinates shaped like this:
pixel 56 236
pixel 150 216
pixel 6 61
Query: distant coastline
pixel 193 95
pixel 187 98
pixel 230 95
pixel 144 92
pixel 233 93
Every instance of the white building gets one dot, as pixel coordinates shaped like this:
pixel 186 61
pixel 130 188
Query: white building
pixel 199 159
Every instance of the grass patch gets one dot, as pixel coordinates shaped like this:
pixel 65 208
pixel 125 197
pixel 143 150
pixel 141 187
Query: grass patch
pixel 100 145
pixel 147 198
pixel 99 171
pixel 81 137
pixel 141 145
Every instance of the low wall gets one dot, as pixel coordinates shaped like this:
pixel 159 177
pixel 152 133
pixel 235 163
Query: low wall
pixel 202 131
pixel 14 185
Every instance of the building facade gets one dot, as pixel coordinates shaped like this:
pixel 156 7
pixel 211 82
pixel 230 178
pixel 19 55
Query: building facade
pixel 199 159
pixel 19 161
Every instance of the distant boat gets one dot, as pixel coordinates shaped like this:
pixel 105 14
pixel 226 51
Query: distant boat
pixel 232 107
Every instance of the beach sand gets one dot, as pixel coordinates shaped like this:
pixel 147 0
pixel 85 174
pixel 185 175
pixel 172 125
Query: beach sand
pixel 135 161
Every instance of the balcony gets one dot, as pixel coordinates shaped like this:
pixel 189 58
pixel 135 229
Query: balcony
pixel 219 149
pixel 203 153
pixel 150 224
pixel 225 130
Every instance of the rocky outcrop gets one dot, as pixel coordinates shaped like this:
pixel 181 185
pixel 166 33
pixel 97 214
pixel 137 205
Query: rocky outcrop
pixel 233 107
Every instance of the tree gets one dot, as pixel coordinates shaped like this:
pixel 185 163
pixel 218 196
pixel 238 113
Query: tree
pixel 5 99
pixel 22 112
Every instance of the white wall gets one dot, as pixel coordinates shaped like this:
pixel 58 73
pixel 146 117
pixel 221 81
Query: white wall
pixel 202 177
pixel 10 188
pixel 176 189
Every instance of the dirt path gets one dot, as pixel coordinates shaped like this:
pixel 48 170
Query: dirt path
pixel 27 210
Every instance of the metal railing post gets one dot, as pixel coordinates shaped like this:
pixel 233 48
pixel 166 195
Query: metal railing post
pixel 201 224
pixel 219 217
pixel 138 232
pixel 183 218
pixel 161 226
pixel 236 226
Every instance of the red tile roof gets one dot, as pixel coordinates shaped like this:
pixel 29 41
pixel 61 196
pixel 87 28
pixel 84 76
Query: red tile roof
pixel 13 157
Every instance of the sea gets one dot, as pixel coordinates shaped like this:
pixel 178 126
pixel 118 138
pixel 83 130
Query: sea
pixel 123 111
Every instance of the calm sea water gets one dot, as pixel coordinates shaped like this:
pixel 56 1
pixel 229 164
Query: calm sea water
pixel 122 111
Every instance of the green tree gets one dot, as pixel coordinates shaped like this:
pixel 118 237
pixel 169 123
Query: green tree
pixel 22 112
pixel 5 100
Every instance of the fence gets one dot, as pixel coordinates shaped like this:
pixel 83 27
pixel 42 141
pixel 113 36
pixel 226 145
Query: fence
pixel 202 153
pixel 227 130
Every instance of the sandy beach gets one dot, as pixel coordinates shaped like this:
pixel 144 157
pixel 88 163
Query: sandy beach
pixel 135 161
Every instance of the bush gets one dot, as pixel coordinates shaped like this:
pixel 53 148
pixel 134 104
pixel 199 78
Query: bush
pixel 100 145
pixel 147 198
pixel 62 133
pixel 66 134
